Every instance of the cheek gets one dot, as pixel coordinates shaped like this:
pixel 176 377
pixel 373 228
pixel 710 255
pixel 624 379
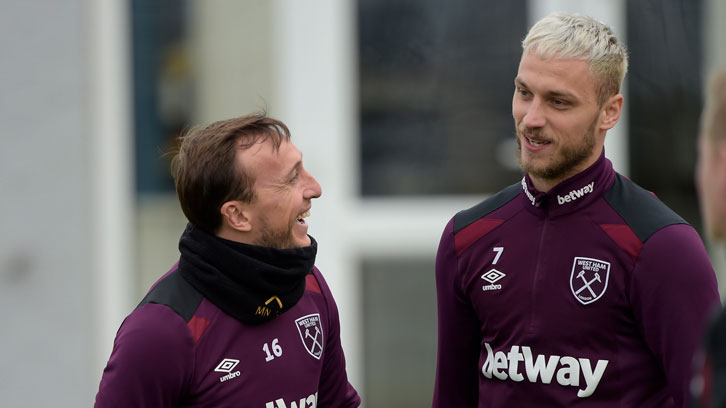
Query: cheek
pixel 291 208
pixel 518 110
pixel 278 211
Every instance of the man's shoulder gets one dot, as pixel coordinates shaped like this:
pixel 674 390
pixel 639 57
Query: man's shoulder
pixel 642 211
pixel 316 286
pixel 469 216
pixel 152 356
pixel 472 224
pixel 173 291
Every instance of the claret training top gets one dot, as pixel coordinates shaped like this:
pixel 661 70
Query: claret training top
pixel 232 325
pixel 594 294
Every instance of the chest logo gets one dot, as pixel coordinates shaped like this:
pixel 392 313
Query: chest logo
pixel 492 276
pixel 226 366
pixel 311 334
pixel 589 279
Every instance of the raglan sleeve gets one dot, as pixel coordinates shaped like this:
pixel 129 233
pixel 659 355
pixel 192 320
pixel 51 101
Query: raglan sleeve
pixel 151 361
pixel 334 389
pixel 673 293
pixel 457 370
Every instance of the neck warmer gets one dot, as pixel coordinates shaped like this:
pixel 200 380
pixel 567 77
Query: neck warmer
pixel 251 283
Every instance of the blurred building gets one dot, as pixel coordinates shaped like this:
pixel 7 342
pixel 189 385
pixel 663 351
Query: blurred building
pixel 402 110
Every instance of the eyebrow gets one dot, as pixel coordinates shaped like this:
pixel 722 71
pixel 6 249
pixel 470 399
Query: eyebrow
pixel 555 93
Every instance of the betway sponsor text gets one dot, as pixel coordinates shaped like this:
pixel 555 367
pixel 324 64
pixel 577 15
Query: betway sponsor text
pixel 540 368
pixel 575 194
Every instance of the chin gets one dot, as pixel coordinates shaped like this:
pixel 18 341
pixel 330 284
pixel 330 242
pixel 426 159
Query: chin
pixel 303 242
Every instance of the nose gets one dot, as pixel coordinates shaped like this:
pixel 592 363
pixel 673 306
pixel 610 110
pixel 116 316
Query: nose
pixel 534 116
pixel 312 189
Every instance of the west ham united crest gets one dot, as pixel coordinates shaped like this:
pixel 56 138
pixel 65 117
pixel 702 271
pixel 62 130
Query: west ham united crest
pixel 589 279
pixel 311 333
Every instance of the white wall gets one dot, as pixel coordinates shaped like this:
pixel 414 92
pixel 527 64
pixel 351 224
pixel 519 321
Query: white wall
pixel 49 243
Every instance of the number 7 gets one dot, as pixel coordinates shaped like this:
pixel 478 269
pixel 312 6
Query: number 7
pixel 499 251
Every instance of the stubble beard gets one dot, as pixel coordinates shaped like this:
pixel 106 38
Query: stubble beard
pixel 278 239
pixel 567 159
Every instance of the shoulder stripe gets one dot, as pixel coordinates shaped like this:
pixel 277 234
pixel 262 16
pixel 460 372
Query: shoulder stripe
pixel 466 237
pixel 174 291
pixel 467 217
pixel 197 325
pixel 642 211
pixel 625 238
pixel 311 284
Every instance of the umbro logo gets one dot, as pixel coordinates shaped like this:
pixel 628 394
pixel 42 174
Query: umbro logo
pixel 492 277
pixel 226 366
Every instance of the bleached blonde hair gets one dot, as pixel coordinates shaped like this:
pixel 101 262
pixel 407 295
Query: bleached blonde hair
pixel 575 36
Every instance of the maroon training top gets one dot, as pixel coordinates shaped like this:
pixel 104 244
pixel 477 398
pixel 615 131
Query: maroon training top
pixel 177 349
pixel 593 294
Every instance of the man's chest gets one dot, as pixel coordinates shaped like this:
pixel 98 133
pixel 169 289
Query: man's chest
pixel 556 279
pixel 274 365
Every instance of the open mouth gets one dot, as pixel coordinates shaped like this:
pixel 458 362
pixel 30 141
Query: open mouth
pixel 536 143
pixel 301 217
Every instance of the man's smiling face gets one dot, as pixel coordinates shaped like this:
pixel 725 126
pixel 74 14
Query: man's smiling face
pixel 283 193
pixel 556 115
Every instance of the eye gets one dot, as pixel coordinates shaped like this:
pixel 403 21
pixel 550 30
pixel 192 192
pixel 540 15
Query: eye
pixel 523 92
pixel 294 177
pixel 559 103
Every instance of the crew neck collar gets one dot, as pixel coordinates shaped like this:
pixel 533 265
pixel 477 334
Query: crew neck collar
pixel 573 193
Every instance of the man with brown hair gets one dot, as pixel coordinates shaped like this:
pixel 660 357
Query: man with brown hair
pixel 244 318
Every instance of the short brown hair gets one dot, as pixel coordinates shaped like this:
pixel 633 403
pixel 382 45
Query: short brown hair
pixel 206 170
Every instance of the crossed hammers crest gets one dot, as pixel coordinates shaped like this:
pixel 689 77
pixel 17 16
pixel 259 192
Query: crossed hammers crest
pixel 581 275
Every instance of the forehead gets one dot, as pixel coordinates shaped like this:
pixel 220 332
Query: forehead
pixel 556 75
pixel 262 159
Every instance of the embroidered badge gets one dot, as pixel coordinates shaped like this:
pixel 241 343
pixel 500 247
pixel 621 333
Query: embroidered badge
pixel 589 279
pixel 311 334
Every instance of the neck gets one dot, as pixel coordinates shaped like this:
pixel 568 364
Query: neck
pixel 545 185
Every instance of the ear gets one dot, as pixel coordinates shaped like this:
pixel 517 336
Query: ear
pixel 235 216
pixel 611 110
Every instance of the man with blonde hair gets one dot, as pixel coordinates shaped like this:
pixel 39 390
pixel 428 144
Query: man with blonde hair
pixel 574 286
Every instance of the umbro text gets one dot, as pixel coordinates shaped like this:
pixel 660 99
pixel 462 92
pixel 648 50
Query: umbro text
pixel 229 376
